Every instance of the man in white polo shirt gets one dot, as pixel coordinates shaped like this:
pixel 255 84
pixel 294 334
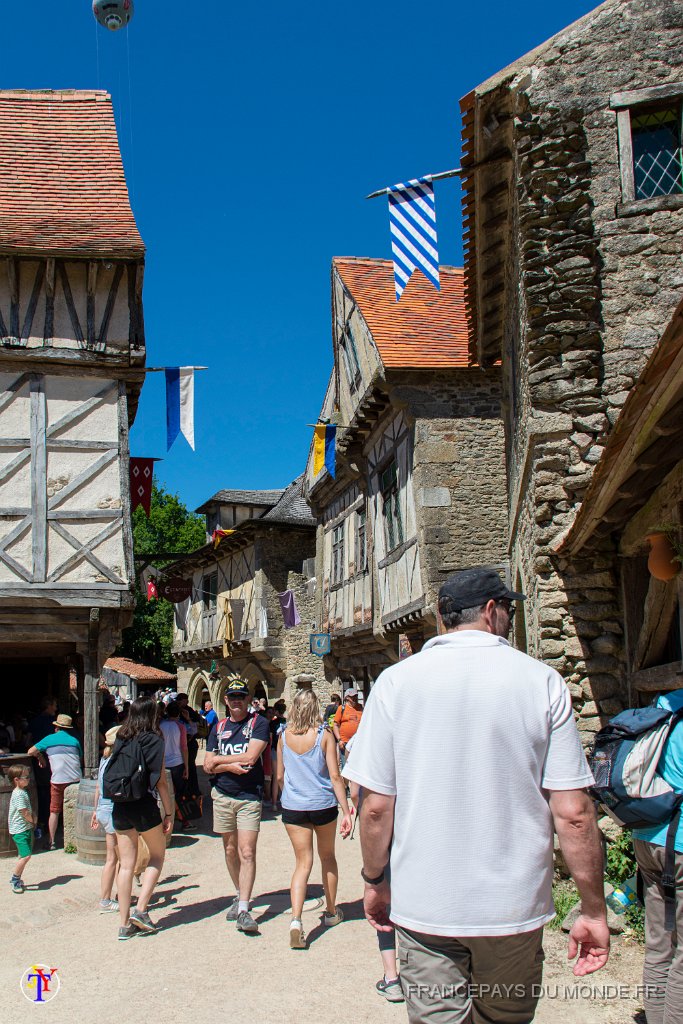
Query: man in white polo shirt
pixel 470 794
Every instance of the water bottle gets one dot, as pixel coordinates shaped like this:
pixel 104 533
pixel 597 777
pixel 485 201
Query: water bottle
pixel 623 896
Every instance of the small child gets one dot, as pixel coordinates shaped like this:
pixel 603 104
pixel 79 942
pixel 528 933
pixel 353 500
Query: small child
pixel 21 822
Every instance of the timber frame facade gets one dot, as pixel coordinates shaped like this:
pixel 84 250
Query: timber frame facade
pixel 72 353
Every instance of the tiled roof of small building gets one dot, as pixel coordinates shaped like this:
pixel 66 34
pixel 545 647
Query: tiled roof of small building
pixel 62 185
pixel 292 507
pixel 264 499
pixel 426 329
pixel 130 668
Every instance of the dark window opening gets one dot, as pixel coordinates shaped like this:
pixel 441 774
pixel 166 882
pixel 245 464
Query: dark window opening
pixel 391 508
pixel 656 142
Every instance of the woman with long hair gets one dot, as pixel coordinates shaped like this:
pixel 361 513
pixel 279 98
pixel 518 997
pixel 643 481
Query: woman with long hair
pixel 102 816
pixel 308 774
pixel 141 817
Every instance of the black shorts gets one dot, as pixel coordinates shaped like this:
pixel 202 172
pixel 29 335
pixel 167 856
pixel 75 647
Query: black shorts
pixel 323 817
pixel 141 815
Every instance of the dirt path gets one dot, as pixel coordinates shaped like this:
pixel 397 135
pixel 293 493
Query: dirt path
pixel 200 969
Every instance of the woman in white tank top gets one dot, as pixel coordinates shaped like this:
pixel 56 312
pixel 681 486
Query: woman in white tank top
pixel 308 774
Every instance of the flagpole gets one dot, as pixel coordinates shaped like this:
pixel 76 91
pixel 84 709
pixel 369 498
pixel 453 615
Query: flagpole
pixel 162 369
pixel 428 177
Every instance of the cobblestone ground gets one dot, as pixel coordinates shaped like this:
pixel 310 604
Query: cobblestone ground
pixel 198 968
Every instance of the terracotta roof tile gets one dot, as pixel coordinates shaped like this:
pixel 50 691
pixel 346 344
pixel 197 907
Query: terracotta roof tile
pixel 426 329
pixel 130 668
pixel 62 185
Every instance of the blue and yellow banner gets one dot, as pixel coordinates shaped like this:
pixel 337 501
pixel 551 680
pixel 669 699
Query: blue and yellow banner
pixel 324 448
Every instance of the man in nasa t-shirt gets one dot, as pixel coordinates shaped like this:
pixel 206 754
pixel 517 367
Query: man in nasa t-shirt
pixel 233 756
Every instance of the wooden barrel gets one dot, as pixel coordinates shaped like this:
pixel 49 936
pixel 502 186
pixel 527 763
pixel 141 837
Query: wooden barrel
pixel 7 847
pixel 91 845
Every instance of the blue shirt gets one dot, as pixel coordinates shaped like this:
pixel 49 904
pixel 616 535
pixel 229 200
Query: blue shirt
pixel 671 769
pixel 210 716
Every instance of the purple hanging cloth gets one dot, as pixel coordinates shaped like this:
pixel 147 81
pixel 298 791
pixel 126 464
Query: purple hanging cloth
pixel 290 613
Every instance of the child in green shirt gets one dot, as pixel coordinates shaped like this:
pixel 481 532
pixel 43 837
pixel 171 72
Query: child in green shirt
pixel 21 822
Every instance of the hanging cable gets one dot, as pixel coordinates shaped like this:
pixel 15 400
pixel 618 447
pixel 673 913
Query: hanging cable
pixel 97 51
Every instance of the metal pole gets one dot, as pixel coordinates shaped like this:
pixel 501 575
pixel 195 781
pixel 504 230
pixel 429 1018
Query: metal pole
pixel 428 177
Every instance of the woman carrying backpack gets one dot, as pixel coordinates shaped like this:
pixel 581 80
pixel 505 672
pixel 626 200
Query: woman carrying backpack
pixel 139 755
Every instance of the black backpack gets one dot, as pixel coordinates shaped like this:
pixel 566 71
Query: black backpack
pixel 126 777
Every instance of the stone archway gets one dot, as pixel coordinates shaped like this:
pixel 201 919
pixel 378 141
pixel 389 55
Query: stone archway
pixel 198 684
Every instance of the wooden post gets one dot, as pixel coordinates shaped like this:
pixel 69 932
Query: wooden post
pixel 91 732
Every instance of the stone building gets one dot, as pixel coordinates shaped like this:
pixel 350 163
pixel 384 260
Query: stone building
pixel 419 485
pixel 573 207
pixel 72 354
pixel 233 622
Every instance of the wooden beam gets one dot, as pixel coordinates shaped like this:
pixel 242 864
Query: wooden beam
pixel 48 330
pixel 661 677
pixel 84 552
pixel 32 303
pixel 90 303
pixel 14 464
pixel 109 307
pixel 660 605
pixel 14 277
pixel 38 478
pixel 80 445
pixel 12 511
pixel 73 315
pixel 62 515
pixel 124 476
pixel 90 709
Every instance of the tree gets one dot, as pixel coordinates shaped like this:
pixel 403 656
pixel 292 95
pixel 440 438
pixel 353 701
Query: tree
pixel 171 528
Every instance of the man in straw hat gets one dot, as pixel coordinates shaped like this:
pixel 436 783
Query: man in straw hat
pixel 65 756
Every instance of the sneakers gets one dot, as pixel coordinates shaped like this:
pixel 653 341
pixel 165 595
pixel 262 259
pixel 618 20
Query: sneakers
pixel 108 906
pixel 233 910
pixel 330 920
pixel 246 923
pixel 142 921
pixel 17 885
pixel 52 846
pixel 127 931
pixel 297 939
pixel 391 990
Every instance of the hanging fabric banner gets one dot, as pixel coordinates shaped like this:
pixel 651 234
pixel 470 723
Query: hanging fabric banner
pixel 262 629
pixel 324 445
pixel 179 404
pixel 141 478
pixel 152 592
pixel 218 535
pixel 290 612
pixel 412 220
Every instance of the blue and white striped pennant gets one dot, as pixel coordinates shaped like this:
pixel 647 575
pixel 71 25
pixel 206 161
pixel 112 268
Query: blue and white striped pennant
pixel 412 219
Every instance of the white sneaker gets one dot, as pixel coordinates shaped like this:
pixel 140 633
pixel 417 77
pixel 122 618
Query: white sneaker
pixel 297 939
pixel 330 920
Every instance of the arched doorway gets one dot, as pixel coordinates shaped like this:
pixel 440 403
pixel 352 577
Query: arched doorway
pixel 198 691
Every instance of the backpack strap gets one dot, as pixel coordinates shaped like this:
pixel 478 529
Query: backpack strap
pixel 669 873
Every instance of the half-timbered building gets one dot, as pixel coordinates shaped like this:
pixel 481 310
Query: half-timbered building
pixel 72 352
pixel 418 490
pixel 232 624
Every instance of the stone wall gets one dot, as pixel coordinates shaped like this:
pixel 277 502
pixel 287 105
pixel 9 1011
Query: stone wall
pixel 595 291
pixel 458 470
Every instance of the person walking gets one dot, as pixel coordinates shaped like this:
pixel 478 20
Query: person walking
pixel 65 756
pixel 308 775
pixel 663 968
pixel 102 816
pixel 20 822
pixel 140 738
pixel 233 759
pixel 175 749
pixel 470 797
pixel 346 721
pixel 189 718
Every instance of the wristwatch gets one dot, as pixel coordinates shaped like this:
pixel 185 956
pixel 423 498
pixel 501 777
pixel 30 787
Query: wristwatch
pixel 371 881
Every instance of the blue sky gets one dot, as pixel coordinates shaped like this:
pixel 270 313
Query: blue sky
pixel 250 136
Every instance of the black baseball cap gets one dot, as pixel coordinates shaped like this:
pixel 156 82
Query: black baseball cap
pixel 472 588
pixel 236 688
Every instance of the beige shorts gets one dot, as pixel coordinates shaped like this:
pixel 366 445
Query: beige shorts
pixel 231 815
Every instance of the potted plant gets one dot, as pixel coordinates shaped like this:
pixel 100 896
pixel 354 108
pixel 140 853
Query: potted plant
pixel 666 551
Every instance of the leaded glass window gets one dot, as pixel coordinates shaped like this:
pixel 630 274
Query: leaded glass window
pixel 656 141
pixel 391 507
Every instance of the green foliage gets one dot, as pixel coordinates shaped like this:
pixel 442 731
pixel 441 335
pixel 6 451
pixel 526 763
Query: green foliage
pixel 622 864
pixel 565 896
pixel 70 848
pixel 170 528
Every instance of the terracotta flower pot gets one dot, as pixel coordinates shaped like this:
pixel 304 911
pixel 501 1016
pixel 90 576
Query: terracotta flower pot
pixel 662 562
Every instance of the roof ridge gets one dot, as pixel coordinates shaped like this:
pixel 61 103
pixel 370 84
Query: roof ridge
pixel 379 260
pixel 49 94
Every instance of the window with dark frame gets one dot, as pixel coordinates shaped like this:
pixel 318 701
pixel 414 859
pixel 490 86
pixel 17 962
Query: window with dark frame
pixel 338 554
pixel 391 508
pixel 350 357
pixel 650 129
pixel 361 542
pixel 656 142
pixel 210 592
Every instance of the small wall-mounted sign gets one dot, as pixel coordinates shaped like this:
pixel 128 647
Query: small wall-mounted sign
pixel 404 647
pixel 321 644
